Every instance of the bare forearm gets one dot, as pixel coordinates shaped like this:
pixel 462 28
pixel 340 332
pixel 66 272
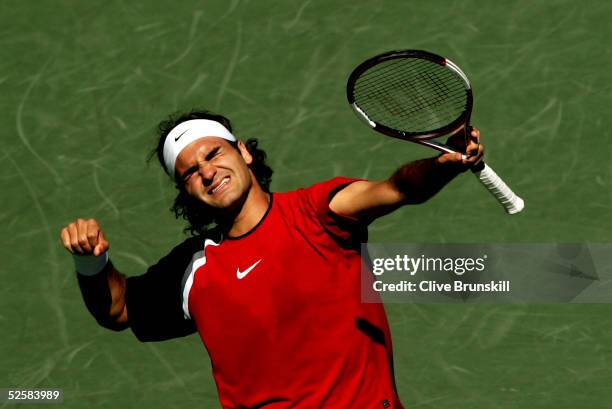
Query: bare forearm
pixel 418 181
pixel 104 296
pixel 413 183
pixel 102 286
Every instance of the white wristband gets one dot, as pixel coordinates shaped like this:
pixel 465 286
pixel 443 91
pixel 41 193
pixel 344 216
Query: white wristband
pixel 89 265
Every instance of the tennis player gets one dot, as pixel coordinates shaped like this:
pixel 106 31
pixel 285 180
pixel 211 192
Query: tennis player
pixel 270 281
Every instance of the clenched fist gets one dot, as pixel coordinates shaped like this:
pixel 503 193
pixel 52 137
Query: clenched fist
pixel 473 148
pixel 84 237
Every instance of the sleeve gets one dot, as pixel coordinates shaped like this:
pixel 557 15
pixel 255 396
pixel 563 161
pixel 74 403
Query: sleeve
pixel 154 299
pixel 345 229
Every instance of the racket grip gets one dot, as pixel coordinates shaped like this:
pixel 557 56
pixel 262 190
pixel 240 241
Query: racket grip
pixel 506 197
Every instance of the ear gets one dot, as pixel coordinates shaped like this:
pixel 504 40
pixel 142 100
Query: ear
pixel 244 152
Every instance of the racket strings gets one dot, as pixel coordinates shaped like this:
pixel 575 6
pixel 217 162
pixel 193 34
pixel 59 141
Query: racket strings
pixel 393 68
pixel 418 117
pixel 421 117
pixel 392 73
pixel 386 100
pixel 421 90
pixel 409 94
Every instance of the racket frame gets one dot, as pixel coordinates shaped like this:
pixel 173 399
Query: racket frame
pixel 495 185
pixel 419 137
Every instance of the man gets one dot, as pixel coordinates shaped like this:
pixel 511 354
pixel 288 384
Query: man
pixel 270 281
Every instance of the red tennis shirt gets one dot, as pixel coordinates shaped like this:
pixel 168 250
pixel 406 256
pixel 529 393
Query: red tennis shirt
pixel 279 309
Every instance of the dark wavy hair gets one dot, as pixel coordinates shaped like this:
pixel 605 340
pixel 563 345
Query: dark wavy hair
pixel 202 218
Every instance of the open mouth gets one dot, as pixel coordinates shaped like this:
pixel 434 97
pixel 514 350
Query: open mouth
pixel 220 186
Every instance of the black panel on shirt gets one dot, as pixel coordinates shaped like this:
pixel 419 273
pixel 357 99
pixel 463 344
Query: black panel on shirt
pixel 154 299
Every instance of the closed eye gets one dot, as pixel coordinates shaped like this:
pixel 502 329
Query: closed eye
pixel 209 156
pixel 189 172
pixel 212 153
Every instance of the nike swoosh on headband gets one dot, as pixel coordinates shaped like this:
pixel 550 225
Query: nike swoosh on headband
pixel 188 132
pixel 179 137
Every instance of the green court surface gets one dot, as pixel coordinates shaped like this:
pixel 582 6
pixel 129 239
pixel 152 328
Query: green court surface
pixel 83 85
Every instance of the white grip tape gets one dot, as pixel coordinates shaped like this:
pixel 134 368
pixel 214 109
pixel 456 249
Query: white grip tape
pixel 511 202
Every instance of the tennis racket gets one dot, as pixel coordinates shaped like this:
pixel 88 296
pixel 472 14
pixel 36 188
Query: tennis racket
pixel 417 96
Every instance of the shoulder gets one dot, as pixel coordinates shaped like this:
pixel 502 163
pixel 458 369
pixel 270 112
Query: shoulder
pixel 315 197
pixel 183 254
pixel 194 244
pixel 325 189
pixel 320 194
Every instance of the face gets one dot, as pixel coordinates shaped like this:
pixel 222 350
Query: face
pixel 214 172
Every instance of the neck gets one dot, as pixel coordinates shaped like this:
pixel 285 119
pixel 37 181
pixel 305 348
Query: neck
pixel 252 211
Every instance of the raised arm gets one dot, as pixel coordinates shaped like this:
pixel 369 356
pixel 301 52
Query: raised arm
pixel 413 183
pixel 102 286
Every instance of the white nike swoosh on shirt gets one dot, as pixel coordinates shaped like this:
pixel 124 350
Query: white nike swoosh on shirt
pixel 242 274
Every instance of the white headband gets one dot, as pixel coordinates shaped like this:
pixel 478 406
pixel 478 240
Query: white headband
pixel 186 132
